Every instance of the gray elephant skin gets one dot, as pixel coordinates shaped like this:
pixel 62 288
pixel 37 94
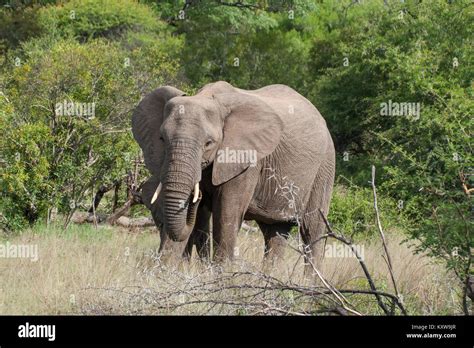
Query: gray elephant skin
pixel 228 154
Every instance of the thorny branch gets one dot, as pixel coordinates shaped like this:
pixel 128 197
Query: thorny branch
pixel 374 291
pixel 382 235
pixel 253 292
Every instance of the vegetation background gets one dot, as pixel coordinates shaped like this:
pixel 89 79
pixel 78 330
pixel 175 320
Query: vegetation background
pixel 347 57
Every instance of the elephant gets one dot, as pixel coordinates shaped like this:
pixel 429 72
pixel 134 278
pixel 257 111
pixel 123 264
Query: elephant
pixel 227 154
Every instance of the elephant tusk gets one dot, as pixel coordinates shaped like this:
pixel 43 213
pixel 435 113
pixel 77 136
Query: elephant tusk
pixel 196 193
pixel 155 195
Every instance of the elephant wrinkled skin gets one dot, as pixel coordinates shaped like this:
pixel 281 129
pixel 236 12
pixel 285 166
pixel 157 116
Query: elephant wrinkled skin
pixel 263 155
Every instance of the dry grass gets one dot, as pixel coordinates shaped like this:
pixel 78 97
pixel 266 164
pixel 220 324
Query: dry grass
pixel 113 271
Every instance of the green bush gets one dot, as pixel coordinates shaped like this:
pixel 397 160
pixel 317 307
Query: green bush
pixel 65 156
pixel 416 52
pixel 86 19
pixel 352 212
pixel 24 170
pixel 17 25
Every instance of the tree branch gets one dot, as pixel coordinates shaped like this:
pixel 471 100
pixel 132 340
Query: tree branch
pixel 382 235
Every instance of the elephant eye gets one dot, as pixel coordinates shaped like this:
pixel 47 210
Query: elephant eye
pixel 161 138
pixel 208 143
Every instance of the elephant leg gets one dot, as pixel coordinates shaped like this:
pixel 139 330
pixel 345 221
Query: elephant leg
pixel 275 236
pixel 229 204
pixel 312 226
pixel 200 237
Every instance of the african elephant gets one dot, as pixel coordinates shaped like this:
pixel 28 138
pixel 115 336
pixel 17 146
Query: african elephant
pixel 263 155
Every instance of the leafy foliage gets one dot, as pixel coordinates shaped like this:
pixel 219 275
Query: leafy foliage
pixel 53 158
pixel 86 19
pixel 398 53
pixel 349 58
pixel 352 212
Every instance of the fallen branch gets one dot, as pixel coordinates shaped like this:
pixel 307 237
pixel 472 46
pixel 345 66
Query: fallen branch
pixel 256 293
pixel 343 301
pixel 344 240
pixel 133 199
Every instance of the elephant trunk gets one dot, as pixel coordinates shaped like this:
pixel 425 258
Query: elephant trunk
pixel 181 190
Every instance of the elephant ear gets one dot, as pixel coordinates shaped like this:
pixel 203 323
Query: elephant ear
pixel 252 131
pixel 146 122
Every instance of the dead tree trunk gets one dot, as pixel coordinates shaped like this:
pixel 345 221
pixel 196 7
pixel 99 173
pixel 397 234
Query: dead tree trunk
pixel 103 189
pixel 116 194
pixel 134 198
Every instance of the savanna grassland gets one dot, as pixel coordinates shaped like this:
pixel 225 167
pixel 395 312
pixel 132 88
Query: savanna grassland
pixel 112 270
pixel 392 79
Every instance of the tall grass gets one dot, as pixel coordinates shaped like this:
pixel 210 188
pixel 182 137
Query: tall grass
pixel 108 270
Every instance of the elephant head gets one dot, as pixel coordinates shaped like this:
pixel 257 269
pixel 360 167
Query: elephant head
pixel 181 135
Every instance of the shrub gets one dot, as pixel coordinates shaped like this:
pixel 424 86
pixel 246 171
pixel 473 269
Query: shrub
pixel 86 19
pixel 352 212
pixel 417 53
pixel 63 156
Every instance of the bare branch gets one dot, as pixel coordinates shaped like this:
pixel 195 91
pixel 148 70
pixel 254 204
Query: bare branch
pixel 382 235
